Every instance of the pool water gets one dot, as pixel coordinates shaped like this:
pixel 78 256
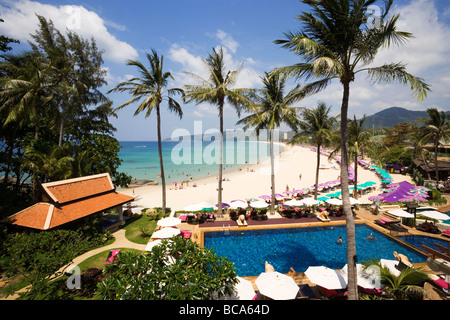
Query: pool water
pixel 300 248
pixel 417 241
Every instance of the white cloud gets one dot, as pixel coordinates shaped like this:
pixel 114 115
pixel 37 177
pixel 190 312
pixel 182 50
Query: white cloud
pixel 21 21
pixel 429 46
pixel 227 40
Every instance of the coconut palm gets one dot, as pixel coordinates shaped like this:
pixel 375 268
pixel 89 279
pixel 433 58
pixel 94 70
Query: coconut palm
pixel 336 42
pixel 317 126
pixel 270 109
pixel 151 88
pixel 436 130
pixel 216 90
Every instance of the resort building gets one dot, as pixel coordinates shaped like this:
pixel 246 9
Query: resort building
pixel 72 200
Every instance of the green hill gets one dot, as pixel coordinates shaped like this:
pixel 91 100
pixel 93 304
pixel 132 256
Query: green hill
pixel 390 117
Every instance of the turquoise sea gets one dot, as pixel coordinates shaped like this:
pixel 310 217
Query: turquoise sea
pixel 182 160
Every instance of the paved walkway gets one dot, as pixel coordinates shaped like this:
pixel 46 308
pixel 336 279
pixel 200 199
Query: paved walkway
pixel 121 242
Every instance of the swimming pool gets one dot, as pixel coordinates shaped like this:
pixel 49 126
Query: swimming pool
pixel 301 247
pixel 417 241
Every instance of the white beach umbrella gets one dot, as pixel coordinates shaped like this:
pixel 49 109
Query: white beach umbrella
pixel 238 204
pixel 168 222
pixel 334 202
pixel 434 215
pixel 364 277
pixel 166 233
pixel 294 203
pixel 391 265
pixel 152 244
pixel 309 201
pixel 277 286
pixel 259 204
pixel 326 277
pixel 401 213
pixel 244 289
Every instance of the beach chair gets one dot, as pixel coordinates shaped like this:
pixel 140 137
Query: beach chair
pixel 446 233
pixel 112 256
pixel 305 292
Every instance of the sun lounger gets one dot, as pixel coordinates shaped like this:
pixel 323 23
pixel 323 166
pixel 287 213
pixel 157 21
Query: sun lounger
pixel 305 292
pixel 446 233
pixel 439 281
pixel 112 256
pixel 241 222
pixel 323 219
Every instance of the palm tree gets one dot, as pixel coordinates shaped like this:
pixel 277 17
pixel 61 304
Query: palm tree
pixel 151 87
pixel 359 143
pixel 271 108
pixel 317 125
pixel 337 43
pixel 437 129
pixel 216 90
pixel 27 93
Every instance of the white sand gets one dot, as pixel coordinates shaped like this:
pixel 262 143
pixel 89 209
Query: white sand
pixel 294 160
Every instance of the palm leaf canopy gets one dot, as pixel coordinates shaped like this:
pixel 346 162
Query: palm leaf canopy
pixel 149 86
pixel 270 107
pixel 336 42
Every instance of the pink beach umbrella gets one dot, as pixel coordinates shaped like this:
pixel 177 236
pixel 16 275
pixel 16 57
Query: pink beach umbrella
pixel 266 197
pixel 377 197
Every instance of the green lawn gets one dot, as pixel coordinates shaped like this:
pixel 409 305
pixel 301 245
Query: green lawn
pixel 135 226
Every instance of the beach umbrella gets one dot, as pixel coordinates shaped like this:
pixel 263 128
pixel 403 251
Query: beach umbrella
pixel 152 244
pixel 364 278
pixel 391 265
pixel 223 205
pixel 334 202
pixel 333 195
pixel 375 198
pixel 252 199
pixel 294 203
pixel 298 191
pixel 238 204
pixel 168 222
pixel 266 197
pixel 434 215
pixel 386 181
pixel 322 198
pixel 166 233
pixel 401 213
pixel 327 278
pixel 279 196
pixel 277 286
pixel 259 204
pixel 243 290
pixel 309 202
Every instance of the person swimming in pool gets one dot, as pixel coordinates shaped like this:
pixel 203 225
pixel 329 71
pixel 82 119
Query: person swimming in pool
pixel 339 240
pixel 370 237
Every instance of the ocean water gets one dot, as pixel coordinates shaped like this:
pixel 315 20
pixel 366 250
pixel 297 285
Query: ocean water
pixel 183 160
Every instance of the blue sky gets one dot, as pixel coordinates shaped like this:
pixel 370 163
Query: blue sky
pixel 185 31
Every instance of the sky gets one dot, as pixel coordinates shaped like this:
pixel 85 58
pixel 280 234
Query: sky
pixel 184 32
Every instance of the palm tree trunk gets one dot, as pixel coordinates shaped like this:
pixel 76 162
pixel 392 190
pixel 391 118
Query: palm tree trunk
pixel 272 173
pixel 436 167
pixel 355 182
pixel 317 171
pixel 163 178
pixel 219 196
pixel 350 222
pixel 61 132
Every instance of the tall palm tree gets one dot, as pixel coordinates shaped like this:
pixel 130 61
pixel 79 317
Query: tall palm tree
pixel 270 109
pixel 216 90
pixel 317 125
pixel 360 142
pixel 336 42
pixel 151 88
pixel 437 129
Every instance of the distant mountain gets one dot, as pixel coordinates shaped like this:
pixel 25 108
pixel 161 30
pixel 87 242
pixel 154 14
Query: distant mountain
pixel 390 117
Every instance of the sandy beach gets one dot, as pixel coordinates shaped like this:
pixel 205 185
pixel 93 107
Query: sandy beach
pixel 254 181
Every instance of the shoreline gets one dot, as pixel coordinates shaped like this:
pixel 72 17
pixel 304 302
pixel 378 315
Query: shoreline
pixel 253 182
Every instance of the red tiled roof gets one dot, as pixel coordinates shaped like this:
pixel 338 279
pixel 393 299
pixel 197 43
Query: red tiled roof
pixel 45 216
pixel 73 199
pixel 78 188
